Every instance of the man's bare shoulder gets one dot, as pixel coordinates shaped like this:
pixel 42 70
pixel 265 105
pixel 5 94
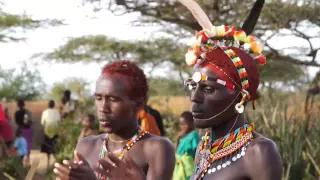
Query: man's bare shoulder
pixel 160 156
pixel 90 141
pixel 262 153
pixel 158 142
pixel 262 146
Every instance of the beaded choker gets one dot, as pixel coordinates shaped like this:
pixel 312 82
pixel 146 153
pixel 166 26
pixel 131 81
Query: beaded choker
pixel 227 149
pixel 104 150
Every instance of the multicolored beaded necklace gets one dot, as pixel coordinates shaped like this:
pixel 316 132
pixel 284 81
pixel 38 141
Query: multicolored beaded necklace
pixel 222 149
pixel 122 151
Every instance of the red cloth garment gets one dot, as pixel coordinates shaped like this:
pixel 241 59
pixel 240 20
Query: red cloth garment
pixel 6 131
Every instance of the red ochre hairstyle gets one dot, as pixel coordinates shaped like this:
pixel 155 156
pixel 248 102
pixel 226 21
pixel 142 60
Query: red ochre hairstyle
pixel 223 61
pixel 137 81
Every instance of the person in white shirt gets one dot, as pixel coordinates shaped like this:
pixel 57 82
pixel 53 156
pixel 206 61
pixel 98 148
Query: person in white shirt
pixel 50 120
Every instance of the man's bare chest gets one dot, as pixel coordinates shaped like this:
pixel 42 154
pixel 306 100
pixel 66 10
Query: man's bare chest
pixel 236 171
pixel 136 153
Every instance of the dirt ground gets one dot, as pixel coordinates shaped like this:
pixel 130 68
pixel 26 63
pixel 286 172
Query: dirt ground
pixel 42 167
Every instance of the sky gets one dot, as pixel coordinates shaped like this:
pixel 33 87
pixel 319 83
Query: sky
pixel 81 20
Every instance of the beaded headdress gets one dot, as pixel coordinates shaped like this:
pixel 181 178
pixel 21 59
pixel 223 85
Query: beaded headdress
pixel 224 38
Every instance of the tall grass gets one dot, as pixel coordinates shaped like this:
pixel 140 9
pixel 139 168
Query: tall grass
pixel 298 139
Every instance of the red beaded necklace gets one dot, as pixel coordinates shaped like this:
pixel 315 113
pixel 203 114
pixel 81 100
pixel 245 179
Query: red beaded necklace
pixel 139 134
pixel 222 148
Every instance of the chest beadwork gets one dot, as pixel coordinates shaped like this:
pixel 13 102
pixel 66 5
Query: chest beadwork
pixel 215 156
pixel 122 151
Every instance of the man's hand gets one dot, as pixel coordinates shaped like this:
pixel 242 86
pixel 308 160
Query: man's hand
pixel 117 169
pixel 77 170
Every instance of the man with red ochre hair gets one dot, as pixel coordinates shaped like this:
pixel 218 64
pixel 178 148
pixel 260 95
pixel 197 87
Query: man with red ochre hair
pixel 121 91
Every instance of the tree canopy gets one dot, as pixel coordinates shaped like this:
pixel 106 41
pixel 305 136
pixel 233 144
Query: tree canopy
pixel 78 87
pixel 20 83
pixel 279 19
pixel 11 23
pixel 23 83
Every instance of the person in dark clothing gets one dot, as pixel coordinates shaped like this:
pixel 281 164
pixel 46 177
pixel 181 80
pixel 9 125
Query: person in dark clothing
pixel 68 105
pixel 23 120
pixel 157 117
pixel 22 116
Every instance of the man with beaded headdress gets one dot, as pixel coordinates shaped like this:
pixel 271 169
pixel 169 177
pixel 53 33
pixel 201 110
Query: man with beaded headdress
pixel 226 78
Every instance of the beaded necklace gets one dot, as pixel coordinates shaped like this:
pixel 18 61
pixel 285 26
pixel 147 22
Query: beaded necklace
pixel 122 151
pixel 222 149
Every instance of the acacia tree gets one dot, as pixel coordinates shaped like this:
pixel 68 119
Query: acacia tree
pixel 20 83
pixel 11 23
pixel 23 83
pixel 294 16
pixel 277 19
pixel 77 86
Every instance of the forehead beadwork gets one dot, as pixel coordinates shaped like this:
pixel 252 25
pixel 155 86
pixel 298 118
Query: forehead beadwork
pixel 224 38
pixel 196 77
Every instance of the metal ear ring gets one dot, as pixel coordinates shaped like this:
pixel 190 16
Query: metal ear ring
pixel 239 108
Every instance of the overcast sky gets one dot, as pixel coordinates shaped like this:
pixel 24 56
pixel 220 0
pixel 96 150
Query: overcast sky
pixel 80 22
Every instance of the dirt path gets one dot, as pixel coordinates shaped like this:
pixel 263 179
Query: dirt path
pixel 42 167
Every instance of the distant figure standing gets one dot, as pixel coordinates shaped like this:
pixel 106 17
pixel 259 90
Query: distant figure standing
pixel 186 144
pixel 50 120
pixel 68 105
pixel 24 122
pixel 157 117
pixel 20 145
pixel 88 127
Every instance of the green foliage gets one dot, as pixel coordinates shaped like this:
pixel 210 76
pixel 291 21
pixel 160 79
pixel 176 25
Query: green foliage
pixel 152 53
pixel 91 48
pixel 15 168
pixel 101 48
pixel 280 71
pixel 67 142
pixel 279 14
pixel 298 141
pixel 171 125
pixel 22 83
pixel 294 16
pixel 10 22
pixel 68 139
pixel 77 86
pixel 165 87
pixel 11 166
